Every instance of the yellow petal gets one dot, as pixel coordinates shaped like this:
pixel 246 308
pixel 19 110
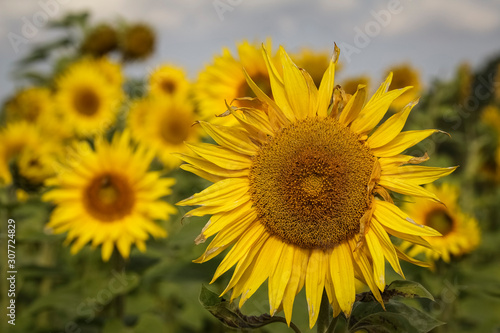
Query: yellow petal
pixel 377 253
pixel 391 216
pixel 387 247
pixel 315 283
pixel 209 167
pixel 354 106
pixel 295 283
pixel 218 193
pixel 220 156
pixel 326 86
pixel 296 88
pixel 407 188
pixel 107 249
pixel 401 142
pixel 390 128
pixel 231 138
pixel 342 272
pixel 416 174
pixel 279 278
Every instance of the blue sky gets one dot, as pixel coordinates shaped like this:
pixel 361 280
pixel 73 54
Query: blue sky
pixel 435 36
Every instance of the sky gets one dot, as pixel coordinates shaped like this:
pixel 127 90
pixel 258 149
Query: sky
pixel 434 36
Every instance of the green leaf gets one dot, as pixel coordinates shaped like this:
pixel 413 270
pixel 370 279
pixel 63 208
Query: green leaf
pixel 372 317
pixel 149 323
pixel 408 289
pixel 230 315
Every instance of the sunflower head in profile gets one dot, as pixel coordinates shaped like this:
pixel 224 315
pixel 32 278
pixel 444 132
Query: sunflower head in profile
pixel 108 196
pixel 301 193
pixel 490 116
pixel 137 42
pixel 224 80
pixel 30 104
pixel 87 98
pixel 459 232
pixel 169 80
pixel 100 40
pixel 164 123
pixel 405 75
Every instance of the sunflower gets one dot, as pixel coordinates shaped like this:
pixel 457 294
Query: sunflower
pixel 164 123
pixel 224 80
pixel 29 104
pixel 301 191
pixel 109 197
pixel 169 80
pixel 460 232
pixel 33 153
pixel 137 42
pixel 87 98
pixel 100 40
pixel 350 85
pixel 405 75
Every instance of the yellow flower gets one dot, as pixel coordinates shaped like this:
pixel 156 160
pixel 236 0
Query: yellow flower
pixel 301 193
pixel 460 232
pixel 29 104
pixel 314 62
pixel 109 197
pixel 405 75
pixel 350 85
pixel 164 123
pixel 224 80
pixel 88 98
pixel 33 153
pixel 491 117
pixel 137 42
pixel 169 80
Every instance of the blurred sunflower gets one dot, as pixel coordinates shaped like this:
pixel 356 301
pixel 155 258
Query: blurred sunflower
pixel 224 80
pixel 109 197
pixel 464 81
pixel 460 232
pixel 350 85
pixel 169 80
pixel 29 104
pixel 137 42
pixel 164 123
pixel 33 153
pixel 87 98
pixel 490 116
pixel 100 40
pixel 405 75
pixel 314 62
pixel 302 191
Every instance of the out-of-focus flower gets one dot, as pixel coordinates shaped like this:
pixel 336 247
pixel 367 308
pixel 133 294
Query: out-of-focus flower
pixel 100 40
pixel 405 75
pixel 491 117
pixel 224 80
pixel 29 104
pixel 350 85
pixel 460 232
pixel 464 81
pixel 169 80
pixel 109 197
pixel 88 97
pixel 34 154
pixel 137 42
pixel 164 123
pixel 301 191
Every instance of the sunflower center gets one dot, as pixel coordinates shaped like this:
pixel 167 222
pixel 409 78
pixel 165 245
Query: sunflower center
pixel 109 197
pixel 86 102
pixel 309 183
pixel 440 220
pixel 167 86
pixel 175 129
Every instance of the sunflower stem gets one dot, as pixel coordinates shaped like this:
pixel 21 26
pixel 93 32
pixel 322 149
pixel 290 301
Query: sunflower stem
pixel 119 301
pixel 324 317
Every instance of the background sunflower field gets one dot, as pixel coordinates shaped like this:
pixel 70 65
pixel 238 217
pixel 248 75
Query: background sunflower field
pixel 100 98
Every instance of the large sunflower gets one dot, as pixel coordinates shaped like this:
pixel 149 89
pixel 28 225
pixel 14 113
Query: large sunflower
pixel 88 97
pixel 109 197
pixel 460 232
pixel 224 80
pixel 302 189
